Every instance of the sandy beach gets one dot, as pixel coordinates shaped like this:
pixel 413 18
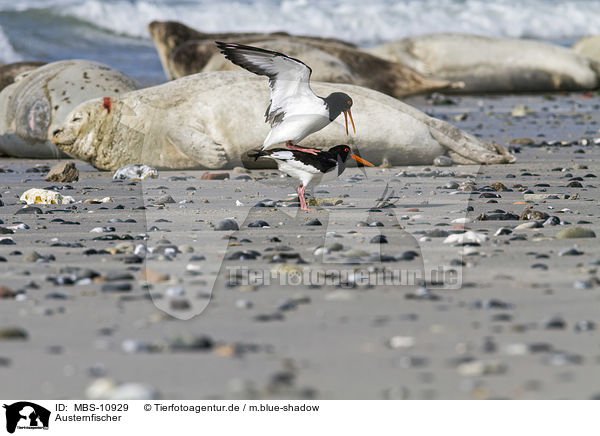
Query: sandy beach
pixel 131 307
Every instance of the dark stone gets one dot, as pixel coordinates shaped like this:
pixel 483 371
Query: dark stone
pixel 227 224
pixel 313 222
pixel 63 172
pixel 244 255
pixel 379 239
pixel 259 223
pixel 29 210
pixel 116 287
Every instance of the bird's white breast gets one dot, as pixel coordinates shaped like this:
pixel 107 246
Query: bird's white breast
pixel 298 170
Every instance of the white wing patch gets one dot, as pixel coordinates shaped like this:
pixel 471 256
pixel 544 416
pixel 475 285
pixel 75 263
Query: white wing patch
pixel 282 155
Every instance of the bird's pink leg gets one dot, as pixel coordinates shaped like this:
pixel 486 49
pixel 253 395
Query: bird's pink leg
pixel 291 146
pixel 301 198
pixel 303 206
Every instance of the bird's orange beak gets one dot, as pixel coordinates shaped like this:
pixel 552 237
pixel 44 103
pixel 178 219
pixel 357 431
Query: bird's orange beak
pixel 361 160
pixel 346 113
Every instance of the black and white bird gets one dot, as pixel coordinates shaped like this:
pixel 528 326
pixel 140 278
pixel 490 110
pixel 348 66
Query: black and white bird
pixel 305 166
pixel 295 110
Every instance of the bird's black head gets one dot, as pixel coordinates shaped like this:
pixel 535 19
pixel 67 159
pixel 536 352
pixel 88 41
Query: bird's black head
pixel 341 151
pixel 341 154
pixel 337 102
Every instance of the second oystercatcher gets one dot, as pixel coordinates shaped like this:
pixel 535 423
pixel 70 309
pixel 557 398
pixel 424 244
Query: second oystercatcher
pixel 295 110
pixel 305 166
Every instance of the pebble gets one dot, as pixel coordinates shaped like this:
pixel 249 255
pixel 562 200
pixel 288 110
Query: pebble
pixel 583 284
pixel 498 217
pixel 215 176
pixel 243 304
pixel 116 287
pixel 63 172
pixel 26 210
pixel 401 342
pixel 585 326
pixel 552 221
pixel 152 276
pixel 437 233
pixel 244 255
pixel 478 368
pixel 529 214
pixel 313 222
pixel 13 333
pixel 192 343
pixel 227 224
pixel 570 252
pixel 422 294
pixel 45 196
pixel 407 255
pixel 527 225
pixel 442 161
pixel 575 232
pixel 180 304
pixel 135 172
pixel 555 323
pixel 34 256
pixel 451 185
pixel 468 237
pixel 165 199
pixel 503 231
pixel 6 293
pixel 379 239
pixel 560 358
pixel 492 304
pixel 259 223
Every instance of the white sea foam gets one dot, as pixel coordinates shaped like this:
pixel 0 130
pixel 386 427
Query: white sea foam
pixel 7 52
pixel 355 20
pixel 364 22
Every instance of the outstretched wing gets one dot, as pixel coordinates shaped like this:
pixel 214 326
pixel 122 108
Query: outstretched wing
pixel 287 76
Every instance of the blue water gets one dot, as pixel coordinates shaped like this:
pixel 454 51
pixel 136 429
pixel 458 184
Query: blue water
pixel 114 31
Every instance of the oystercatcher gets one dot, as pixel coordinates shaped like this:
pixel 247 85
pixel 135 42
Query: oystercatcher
pixel 295 110
pixel 305 166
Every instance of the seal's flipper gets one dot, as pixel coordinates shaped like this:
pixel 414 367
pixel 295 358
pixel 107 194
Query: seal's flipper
pixel 198 147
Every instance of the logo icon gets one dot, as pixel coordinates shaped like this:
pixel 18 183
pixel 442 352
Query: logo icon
pixel 26 415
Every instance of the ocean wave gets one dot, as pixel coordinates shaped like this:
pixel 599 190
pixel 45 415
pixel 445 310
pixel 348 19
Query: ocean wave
pixel 7 52
pixel 362 22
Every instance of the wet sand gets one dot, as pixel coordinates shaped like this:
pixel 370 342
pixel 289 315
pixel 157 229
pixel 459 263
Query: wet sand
pixel 512 316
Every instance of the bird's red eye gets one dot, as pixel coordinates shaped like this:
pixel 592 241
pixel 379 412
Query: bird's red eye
pixel 349 103
pixel 347 149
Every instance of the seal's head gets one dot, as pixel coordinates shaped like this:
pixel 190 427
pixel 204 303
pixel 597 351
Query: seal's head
pixel 77 136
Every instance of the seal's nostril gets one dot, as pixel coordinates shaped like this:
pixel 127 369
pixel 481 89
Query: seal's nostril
pixel 56 132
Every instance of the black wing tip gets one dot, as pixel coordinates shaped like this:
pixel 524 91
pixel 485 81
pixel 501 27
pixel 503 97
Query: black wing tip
pixel 256 154
pixel 230 47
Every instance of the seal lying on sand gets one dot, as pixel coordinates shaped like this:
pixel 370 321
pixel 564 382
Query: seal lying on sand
pixel 332 60
pixel 211 120
pixel 589 46
pixel 487 64
pixel 168 35
pixel 40 99
pixel 9 72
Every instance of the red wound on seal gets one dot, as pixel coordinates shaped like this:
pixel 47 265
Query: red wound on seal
pixel 107 103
